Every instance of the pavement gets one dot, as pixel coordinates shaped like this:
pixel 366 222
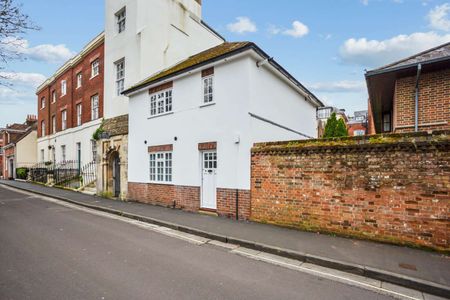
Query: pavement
pixel 422 270
pixel 50 251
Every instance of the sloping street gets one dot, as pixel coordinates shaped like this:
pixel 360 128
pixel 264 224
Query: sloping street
pixel 49 251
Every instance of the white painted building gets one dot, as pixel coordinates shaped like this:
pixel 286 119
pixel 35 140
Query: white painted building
pixel 191 127
pixel 141 38
pixel 148 36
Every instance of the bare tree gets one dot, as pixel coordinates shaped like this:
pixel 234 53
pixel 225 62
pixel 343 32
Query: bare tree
pixel 13 24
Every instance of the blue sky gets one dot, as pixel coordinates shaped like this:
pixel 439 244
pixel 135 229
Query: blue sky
pixel 327 45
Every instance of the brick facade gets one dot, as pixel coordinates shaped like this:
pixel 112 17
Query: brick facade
pixel 188 198
pixel 394 188
pixel 89 87
pixel 351 128
pixel 226 203
pixel 434 102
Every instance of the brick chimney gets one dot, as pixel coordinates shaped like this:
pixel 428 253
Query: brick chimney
pixel 31 119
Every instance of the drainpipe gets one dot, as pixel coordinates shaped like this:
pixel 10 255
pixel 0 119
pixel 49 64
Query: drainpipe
pixel 416 99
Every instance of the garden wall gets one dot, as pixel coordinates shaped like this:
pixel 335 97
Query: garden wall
pixel 393 188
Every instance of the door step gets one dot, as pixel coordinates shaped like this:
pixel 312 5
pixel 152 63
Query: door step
pixel 209 212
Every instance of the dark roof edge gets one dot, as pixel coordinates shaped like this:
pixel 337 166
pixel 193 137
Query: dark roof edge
pixel 410 57
pixel 249 46
pixel 403 67
pixel 212 30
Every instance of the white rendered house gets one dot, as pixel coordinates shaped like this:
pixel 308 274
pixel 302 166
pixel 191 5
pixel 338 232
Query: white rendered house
pixel 192 126
pixel 142 37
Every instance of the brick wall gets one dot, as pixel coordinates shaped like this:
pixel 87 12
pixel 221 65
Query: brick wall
pixel 182 197
pixel 226 203
pixel 90 87
pixel 394 188
pixel 434 102
pixel 188 198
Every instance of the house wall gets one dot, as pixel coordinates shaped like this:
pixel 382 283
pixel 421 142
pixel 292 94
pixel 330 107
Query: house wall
pixel 82 95
pixel 227 123
pixel 394 188
pixel 158 34
pixel 26 150
pixel 434 102
pixel 351 128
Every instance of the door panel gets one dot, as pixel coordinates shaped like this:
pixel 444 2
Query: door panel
pixel 209 174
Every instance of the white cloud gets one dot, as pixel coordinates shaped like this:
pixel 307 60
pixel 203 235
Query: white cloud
pixel 339 86
pixel 298 30
pixel 24 79
pixel 46 52
pixel 242 25
pixel 439 17
pixel 372 53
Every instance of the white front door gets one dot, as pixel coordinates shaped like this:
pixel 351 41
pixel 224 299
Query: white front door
pixel 209 172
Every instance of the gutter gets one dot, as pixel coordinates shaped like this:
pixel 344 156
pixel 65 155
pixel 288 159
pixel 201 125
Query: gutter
pixel 399 68
pixel 416 99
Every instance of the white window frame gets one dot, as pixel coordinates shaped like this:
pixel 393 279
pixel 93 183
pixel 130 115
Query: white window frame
pixel 53 96
pixel 161 102
pixel 53 124
pixel 43 132
pixel 95 68
pixel 42 155
pixel 359 132
pixel 64 119
pixel 63 88
pixel 160 167
pixel 95 113
pixel 208 94
pixel 63 153
pixel 94 150
pixel 121 17
pixel 79 110
pixel 42 102
pixel 120 76
pixel 79 79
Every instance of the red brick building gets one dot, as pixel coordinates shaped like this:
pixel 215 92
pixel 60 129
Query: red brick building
pixel 357 124
pixel 70 106
pixel 412 94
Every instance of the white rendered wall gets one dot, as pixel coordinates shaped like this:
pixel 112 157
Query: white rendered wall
pixel 69 137
pixel 26 149
pixel 158 34
pixel 239 88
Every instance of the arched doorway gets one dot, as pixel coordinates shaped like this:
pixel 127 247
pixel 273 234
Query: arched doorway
pixel 114 173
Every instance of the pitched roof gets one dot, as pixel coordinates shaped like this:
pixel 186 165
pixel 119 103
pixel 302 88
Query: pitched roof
pixel 214 54
pixel 433 54
pixel 197 59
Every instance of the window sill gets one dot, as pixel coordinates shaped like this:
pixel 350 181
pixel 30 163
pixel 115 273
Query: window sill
pixel 92 77
pixel 161 182
pixel 160 115
pixel 207 104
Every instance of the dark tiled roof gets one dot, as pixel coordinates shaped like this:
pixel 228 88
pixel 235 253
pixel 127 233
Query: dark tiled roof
pixel 441 51
pixel 16 126
pixel 116 126
pixel 222 49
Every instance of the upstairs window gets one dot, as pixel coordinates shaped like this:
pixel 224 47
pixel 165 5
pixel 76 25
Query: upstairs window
pixel 94 107
pixel 120 20
pixel 208 85
pixel 161 102
pixel 323 113
pixel 120 76
pixel 53 96
pixel 43 132
pixel 95 68
pixel 63 88
pixel 53 124
pixel 64 120
pixel 79 79
pixel 79 114
pixel 42 102
pixel 359 132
